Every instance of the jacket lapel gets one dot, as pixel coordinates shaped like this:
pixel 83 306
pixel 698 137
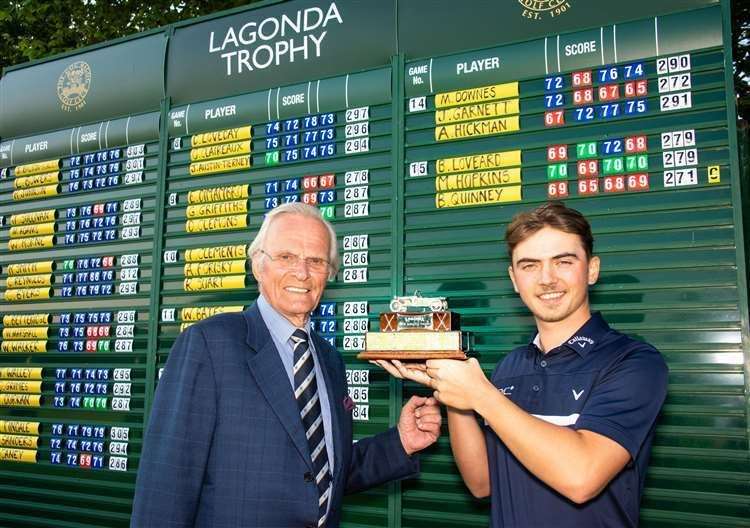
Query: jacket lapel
pixel 268 371
pixel 330 367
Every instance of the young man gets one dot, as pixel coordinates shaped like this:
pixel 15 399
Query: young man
pixel 568 419
pixel 252 424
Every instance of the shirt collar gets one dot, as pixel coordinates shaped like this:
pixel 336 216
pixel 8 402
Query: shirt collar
pixel 278 325
pixel 584 339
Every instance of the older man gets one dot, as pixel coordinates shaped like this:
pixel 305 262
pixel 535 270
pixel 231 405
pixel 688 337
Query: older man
pixel 251 423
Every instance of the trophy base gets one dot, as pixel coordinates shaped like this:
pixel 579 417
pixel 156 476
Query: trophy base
pixel 412 355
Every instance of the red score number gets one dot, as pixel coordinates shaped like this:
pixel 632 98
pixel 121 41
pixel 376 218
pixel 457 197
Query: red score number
pixel 588 168
pixel 310 198
pixel 614 184
pixel 84 460
pixel 638 182
pixel 554 118
pixel 583 96
pixel 558 189
pixel 636 88
pixel 588 187
pixel 609 92
pixel 636 144
pixel 557 153
pixel 327 181
pixel 310 183
pixel 581 78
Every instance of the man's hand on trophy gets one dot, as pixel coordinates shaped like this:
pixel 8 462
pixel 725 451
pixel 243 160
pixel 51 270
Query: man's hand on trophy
pixel 458 384
pixel 410 371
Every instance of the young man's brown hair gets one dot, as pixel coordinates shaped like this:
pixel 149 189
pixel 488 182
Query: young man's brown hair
pixel 551 214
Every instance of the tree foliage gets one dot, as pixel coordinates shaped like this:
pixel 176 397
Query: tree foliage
pixel 32 29
pixel 741 55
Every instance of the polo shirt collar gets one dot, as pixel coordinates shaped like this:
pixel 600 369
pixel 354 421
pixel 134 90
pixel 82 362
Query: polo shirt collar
pixel 584 339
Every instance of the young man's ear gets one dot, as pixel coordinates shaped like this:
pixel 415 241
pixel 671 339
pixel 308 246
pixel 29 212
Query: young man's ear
pixel 594 264
pixel 512 278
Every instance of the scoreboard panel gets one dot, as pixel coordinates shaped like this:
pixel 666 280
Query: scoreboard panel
pixel 133 177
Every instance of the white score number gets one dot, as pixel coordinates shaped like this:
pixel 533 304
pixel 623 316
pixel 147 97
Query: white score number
pixel 355 275
pixel 358 114
pixel 674 64
pixel 353 194
pixel 355 308
pixel 354 130
pixel 354 146
pixel 357 177
pixel 357 377
pixel 418 104
pixel 676 101
pixel 359 394
pixel 354 342
pixel 356 258
pixel 361 413
pixel 673 83
pixel 680 177
pixel 356 326
pixel 418 168
pixel 355 242
pixel 356 209
pixel 677 139
pixel 680 158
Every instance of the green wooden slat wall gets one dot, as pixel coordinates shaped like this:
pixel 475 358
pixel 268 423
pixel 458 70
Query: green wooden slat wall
pixel 673 257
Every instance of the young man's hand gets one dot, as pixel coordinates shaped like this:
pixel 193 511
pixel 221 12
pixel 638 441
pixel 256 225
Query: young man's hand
pixel 458 384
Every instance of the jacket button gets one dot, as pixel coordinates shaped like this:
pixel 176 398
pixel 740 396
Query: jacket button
pixel 308 477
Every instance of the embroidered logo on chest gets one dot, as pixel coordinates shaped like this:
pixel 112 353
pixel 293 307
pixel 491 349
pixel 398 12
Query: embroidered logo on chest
pixel 577 394
pixel 581 341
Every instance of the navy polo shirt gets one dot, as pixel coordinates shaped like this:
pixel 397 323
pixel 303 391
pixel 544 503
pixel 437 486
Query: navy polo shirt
pixel 599 380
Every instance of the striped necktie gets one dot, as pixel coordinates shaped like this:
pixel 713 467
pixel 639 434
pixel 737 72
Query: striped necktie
pixel 308 401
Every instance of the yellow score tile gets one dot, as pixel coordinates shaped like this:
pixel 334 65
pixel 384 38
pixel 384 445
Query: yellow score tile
pixel 222 136
pixel 226 282
pixel 487 196
pixel 216 253
pixel 218 194
pixel 198 313
pixel 488 127
pixel 476 95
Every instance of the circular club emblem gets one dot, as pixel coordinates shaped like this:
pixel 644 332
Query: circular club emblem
pixel 534 9
pixel 73 85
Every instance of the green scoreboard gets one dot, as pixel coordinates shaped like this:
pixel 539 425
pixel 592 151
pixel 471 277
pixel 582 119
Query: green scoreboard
pixel 134 174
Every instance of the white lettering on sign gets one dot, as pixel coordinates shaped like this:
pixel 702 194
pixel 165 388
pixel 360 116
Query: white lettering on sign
pixel 90 136
pixel 34 147
pixel 292 99
pixel 221 111
pixel 256 45
pixel 579 48
pixel 492 63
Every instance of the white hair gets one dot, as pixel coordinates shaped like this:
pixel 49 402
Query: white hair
pixel 301 209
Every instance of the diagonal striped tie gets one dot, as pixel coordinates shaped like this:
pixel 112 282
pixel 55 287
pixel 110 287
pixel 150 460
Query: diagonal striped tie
pixel 306 392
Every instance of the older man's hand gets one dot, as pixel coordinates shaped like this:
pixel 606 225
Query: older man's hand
pixel 419 424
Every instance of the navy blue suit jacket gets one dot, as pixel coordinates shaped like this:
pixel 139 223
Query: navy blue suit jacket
pixel 225 444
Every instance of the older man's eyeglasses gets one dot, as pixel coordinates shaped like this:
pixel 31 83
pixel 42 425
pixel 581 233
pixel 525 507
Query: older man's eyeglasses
pixel 291 261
